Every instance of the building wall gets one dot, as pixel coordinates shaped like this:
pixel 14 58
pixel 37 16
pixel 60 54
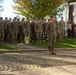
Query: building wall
pixel 69 13
pixel 74 13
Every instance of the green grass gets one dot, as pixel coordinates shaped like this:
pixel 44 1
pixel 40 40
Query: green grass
pixel 7 47
pixel 66 43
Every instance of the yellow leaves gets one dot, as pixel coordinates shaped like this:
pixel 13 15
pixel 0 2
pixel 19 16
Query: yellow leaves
pixel 37 8
pixel 20 3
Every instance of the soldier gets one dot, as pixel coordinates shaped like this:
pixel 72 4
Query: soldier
pixel 14 31
pixel 44 29
pixel 38 30
pixel 47 29
pixel 27 31
pixel 19 23
pixel 61 29
pixel 52 34
pixel 1 31
pixel 57 28
pixel 6 30
pixel 21 30
pixel 41 30
pixel 33 34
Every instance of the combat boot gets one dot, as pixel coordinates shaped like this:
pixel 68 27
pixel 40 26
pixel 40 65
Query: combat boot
pixel 53 53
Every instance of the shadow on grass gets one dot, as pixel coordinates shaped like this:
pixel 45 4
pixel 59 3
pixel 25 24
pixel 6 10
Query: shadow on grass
pixel 7 47
pixel 66 43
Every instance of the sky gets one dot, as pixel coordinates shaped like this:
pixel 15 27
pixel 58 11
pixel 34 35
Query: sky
pixel 8 10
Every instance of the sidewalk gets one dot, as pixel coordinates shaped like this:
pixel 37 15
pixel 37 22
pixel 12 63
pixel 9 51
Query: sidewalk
pixel 31 60
pixel 59 70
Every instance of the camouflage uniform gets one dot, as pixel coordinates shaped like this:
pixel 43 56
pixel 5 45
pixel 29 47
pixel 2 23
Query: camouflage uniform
pixel 47 32
pixel 6 30
pixel 33 34
pixel 14 31
pixel 52 36
pixel 1 31
pixel 57 29
pixel 44 30
pixel 27 32
pixel 22 31
pixel 18 36
pixel 61 29
pixel 38 30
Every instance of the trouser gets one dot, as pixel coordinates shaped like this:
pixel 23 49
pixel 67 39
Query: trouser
pixel 14 37
pixel 33 36
pixel 1 37
pixel 69 33
pixel 38 35
pixel 52 41
pixel 27 38
pixel 61 35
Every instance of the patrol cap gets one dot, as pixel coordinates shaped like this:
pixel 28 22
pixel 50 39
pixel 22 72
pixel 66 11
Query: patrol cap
pixel 23 19
pixel 15 17
pixel 27 17
pixel 34 18
pixel 52 16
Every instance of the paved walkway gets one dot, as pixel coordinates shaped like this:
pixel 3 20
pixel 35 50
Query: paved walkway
pixel 38 62
pixel 59 70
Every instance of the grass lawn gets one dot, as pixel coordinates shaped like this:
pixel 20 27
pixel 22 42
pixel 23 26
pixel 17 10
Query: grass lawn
pixel 3 47
pixel 67 43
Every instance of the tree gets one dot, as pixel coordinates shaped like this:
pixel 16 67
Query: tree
pixel 69 1
pixel 1 7
pixel 37 8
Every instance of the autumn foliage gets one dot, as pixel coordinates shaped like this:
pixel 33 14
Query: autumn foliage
pixel 37 8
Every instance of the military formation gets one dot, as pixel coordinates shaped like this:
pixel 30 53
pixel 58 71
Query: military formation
pixel 34 30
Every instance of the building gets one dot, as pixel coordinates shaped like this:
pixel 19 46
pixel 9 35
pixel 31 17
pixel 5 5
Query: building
pixel 70 11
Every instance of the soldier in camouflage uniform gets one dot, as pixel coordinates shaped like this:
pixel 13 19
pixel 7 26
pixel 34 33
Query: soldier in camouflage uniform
pixel 19 23
pixel 33 34
pixel 44 29
pixel 6 30
pixel 57 28
pixel 52 34
pixel 1 31
pixel 21 31
pixel 14 30
pixel 27 31
pixel 38 30
pixel 61 29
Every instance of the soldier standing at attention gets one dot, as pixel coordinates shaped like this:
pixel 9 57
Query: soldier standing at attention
pixel 6 30
pixel 61 29
pixel 1 31
pixel 38 31
pixel 33 34
pixel 22 30
pixel 44 29
pixel 27 31
pixel 14 30
pixel 57 28
pixel 18 35
pixel 52 34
